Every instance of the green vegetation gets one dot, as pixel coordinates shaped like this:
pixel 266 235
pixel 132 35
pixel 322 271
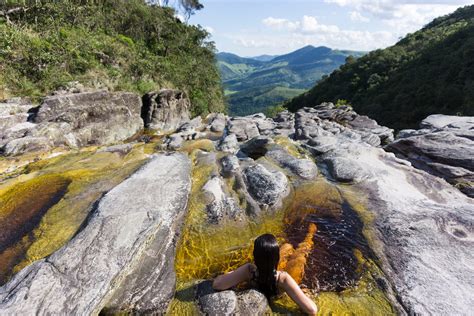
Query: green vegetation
pixel 117 44
pixel 342 102
pixel 274 110
pixel 429 71
pixel 256 84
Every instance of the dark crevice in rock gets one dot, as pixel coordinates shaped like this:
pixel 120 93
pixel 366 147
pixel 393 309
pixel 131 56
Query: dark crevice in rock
pixel 32 113
pixel 146 109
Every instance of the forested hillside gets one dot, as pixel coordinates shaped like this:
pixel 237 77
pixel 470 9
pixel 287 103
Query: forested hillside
pixel 256 84
pixel 429 71
pixel 122 45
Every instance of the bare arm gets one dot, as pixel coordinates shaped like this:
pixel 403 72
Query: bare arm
pixel 228 280
pixel 286 282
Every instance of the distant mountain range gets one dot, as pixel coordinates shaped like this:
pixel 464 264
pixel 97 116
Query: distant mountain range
pixel 429 71
pixel 255 84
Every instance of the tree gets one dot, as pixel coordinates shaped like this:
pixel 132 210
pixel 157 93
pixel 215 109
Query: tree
pixel 189 7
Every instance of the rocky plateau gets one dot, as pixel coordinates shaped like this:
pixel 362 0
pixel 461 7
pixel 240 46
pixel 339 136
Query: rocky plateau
pixel 144 245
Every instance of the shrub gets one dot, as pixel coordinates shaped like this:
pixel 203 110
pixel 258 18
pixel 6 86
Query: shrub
pixel 120 44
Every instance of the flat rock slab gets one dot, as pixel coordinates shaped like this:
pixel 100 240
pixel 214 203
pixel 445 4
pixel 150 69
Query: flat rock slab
pixel 425 235
pixel 82 277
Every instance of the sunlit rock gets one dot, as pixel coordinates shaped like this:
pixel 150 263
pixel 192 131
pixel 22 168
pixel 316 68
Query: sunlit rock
pixel 266 186
pixel 444 146
pixel 83 274
pixel 244 303
pixel 220 205
pixel 305 168
pixel 229 144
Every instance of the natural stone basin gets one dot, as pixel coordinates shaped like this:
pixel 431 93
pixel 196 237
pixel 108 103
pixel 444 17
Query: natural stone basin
pixel 319 221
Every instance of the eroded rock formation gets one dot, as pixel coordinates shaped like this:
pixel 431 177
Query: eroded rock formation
pixel 70 120
pixel 443 146
pixel 417 226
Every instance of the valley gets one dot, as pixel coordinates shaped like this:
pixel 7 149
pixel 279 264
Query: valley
pixel 257 85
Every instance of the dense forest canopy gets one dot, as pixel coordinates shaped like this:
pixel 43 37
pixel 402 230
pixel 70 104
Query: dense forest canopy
pixel 122 45
pixel 429 71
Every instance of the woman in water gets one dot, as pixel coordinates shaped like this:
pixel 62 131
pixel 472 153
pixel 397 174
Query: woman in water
pixel 264 275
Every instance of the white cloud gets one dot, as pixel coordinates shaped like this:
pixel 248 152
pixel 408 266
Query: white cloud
pixel 280 23
pixel 358 17
pixel 385 21
pixel 355 40
pixel 402 16
pixel 309 31
pixel 308 24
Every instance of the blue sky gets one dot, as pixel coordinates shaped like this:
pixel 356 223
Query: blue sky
pixel 251 28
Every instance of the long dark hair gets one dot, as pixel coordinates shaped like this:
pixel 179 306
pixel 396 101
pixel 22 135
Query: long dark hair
pixel 266 255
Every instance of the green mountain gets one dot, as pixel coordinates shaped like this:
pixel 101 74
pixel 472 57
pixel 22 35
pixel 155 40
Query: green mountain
pixel 126 45
pixel 256 84
pixel 264 57
pixel 429 71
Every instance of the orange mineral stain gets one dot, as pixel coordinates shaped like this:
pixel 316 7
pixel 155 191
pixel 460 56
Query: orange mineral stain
pixel 294 261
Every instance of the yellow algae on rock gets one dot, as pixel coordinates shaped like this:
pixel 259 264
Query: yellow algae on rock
pixel 184 302
pixel 202 144
pixel 206 249
pixel 317 195
pixel 290 146
pixel 365 298
pixel 21 208
pixel 89 174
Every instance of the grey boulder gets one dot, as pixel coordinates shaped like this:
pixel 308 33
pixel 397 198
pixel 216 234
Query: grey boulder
pixel 229 144
pixel 219 205
pixel 77 120
pixel 217 122
pixel 166 109
pixel 230 165
pixel 244 128
pixel 304 168
pixel 213 303
pixel 345 169
pixel 265 186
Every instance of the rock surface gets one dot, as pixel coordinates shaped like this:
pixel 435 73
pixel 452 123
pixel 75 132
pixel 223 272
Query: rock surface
pixel 420 226
pixel 266 186
pixel 74 120
pixel 220 205
pixel 444 146
pixel 217 122
pixel 244 128
pixel 116 245
pixel 305 168
pixel 166 109
pixel 212 303
pixel 229 144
